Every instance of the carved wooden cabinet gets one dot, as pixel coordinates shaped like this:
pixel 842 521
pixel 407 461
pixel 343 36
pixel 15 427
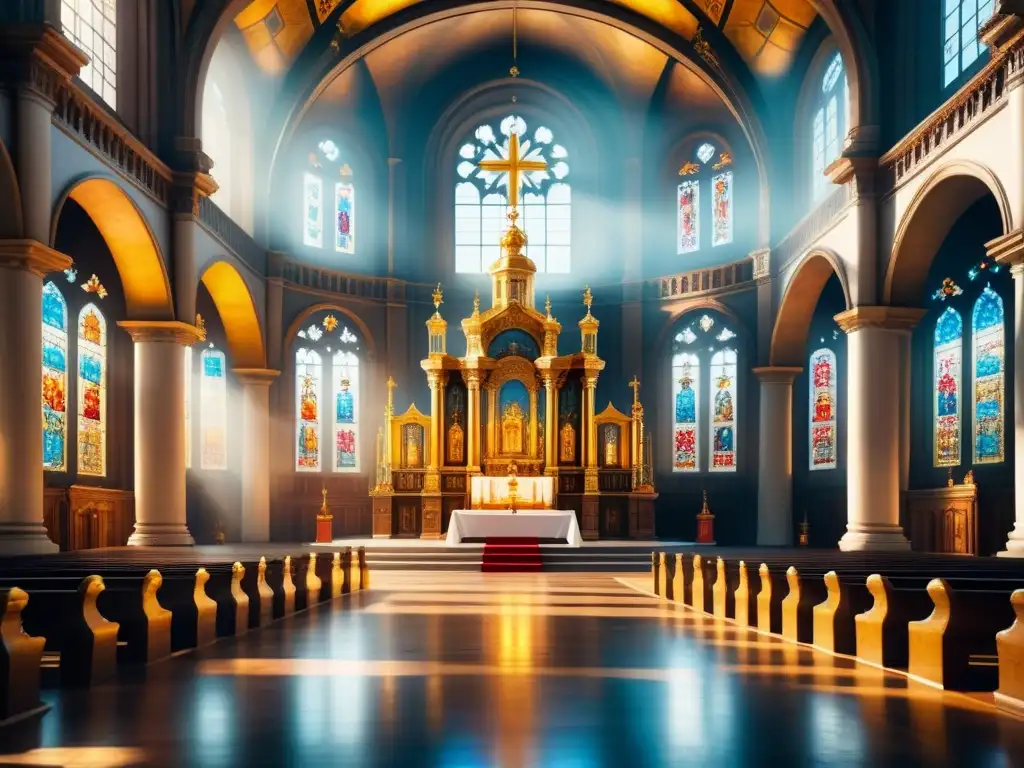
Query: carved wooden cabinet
pixel 87 517
pixel 944 520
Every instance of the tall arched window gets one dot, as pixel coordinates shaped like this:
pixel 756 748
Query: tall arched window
pixel 326 164
pixel 217 143
pixel 989 371
pixel 213 407
pixel 831 102
pixel 55 378
pixel 948 359
pixel 481 198
pixel 92 26
pixel 823 406
pixel 709 164
pixel 92 392
pixel 704 345
pixel 960 22
pixel 327 363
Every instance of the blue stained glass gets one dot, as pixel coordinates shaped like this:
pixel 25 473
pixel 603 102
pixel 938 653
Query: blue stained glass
pixel 988 409
pixel 723 439
pixel 988 311
pixel 213 365
pixel 989 365
pixel 345 407
pixel 53 357
pixel 90 368
pixel 54 308
pixel 949 327
pixel 53 439
pixel 686 407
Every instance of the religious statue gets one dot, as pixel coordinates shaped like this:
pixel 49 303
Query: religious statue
pixel 413 439
pixel 309 446
pixel 611 445
pixel 567 443
pixel 823 407
pixel 512 428
pixel 455 439
pixel 947 391
pixel 723 400
pixel 345 406
pixel 307 407
pixel 323 505
pixel 513 486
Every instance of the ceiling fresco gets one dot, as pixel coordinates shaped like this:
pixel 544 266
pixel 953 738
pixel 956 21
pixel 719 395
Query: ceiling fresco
pixel 765 33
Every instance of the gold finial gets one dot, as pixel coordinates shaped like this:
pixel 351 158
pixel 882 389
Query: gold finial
pixel 391 384
pixel 323 505
pixel 516 166
pixel 588 298
pixel 438 297
pixel 200 327
pixel 547 306
pixel 949 477
pixel 704 508
pixel 476 303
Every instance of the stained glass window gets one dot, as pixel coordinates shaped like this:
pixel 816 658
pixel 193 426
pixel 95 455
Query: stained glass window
pixel 92 392
pixel 961 20
pixel 830 120
pixel 723 411
pixel 55 379
pixel 188 407
pixel 686 379
pixel 307 409
pixel 92 26
pixel 688 222
pixel 481 198
pixel 213 406
pixel 345 373
pixel 823 406
pixel 948 360
pixel 721 202
pixel 345 211
pixel 989 373
pixel 313 207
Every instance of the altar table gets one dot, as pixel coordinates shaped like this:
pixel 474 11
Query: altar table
pixel 500 523
pixel 535 491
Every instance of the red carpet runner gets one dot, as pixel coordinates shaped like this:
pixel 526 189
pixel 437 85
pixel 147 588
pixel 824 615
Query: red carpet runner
pixel 511 556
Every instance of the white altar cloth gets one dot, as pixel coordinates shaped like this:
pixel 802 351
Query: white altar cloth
pixel 500 523
pixel 494 490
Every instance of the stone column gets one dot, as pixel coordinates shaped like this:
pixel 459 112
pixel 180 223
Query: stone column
pixel 255 452
pixel 873 426
pixel 34 161
pixel 1015 541
pixel 775 457
pixel 473 421
pixel 160 431
pixel 436 384
pixel 23 263
pixel 550 425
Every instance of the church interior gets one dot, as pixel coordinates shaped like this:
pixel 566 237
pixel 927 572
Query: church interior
pixel 654 362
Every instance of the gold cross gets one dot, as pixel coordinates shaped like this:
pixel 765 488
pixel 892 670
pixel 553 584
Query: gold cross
pixel 635 386
pixel 515 166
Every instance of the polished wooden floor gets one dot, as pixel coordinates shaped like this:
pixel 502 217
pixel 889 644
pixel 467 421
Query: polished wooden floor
pixel 463 670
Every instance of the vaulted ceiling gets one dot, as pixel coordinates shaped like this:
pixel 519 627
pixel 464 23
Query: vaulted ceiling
pixel 765 33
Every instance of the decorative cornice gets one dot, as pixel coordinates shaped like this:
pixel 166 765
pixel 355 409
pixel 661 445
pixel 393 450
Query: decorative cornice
pixel 255 377
pixel 189 189
pixel 32 256
pixel 886 318
pixel 1008 248
pixel 40 58
pixel 862 170
pixel 778 374
pixel 160 331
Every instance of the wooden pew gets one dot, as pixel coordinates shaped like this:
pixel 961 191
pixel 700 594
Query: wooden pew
pixel 745 603
pixel 263 605
pixel 145 624
pixel 881 631
pixel 833 624
pixel 678 579
pixel 769 602
pixel 661 569
pixel 724 591
pixel 313 583
pixel 955 647
pixel 697 584
pixel 89 649
pixel 364 570
pixel 1010 650
pixel 20 659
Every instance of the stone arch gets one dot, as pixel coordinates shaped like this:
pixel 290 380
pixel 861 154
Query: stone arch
pixel 859 56
pixel 789 336
pixel 300 320
pixel 238 314
pixel 693 306
pixel 140 265
pixel 11 223
pixel 934 209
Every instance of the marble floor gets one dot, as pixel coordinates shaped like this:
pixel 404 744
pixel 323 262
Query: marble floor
pixel 467 669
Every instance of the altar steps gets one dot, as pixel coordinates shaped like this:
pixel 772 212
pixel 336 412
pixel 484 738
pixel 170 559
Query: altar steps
pixel 608 557
pixel 511 556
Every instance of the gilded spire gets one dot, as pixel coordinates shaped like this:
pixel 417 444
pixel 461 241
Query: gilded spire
pixel 588 299
pixel 476 303
pixel 547 307
pixel 438 297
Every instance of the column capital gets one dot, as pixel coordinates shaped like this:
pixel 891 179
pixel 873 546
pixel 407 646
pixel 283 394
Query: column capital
pixel 1007 249
pixel 161 331
pixel 762 264
pixel 437 379
pixel 32 256
pixel 473 377
pixel 885 318
pixel 778 374
pixel 255 377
